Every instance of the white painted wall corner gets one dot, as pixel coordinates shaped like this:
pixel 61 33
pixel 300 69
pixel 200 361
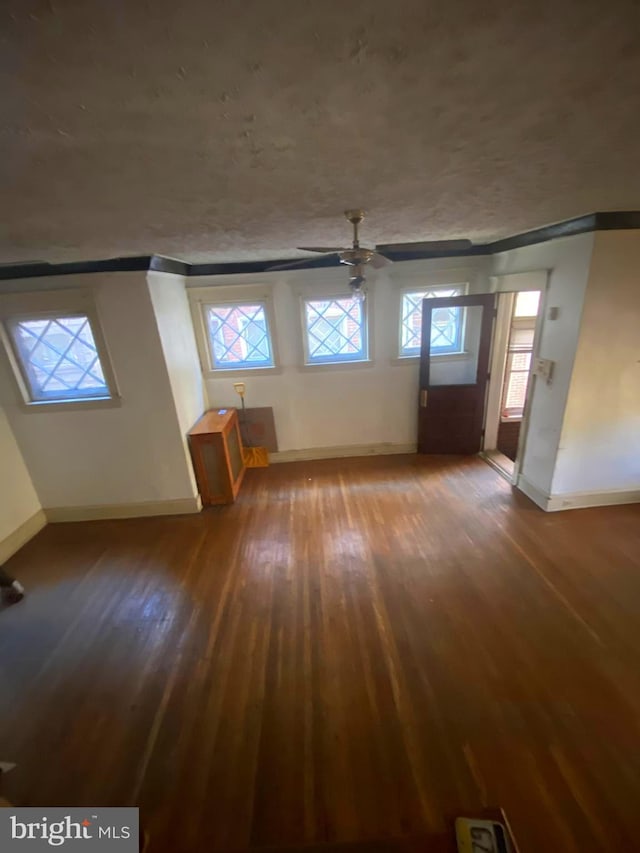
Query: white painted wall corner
pixel 21 535
pixel 537 495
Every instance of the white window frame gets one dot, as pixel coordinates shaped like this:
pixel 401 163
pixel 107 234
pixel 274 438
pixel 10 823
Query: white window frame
pixel 202 298
pixel 338 362
pixel 430 288
pixel 38 305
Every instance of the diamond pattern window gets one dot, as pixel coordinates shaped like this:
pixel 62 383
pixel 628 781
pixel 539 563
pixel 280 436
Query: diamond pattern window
pixel 239 336
pixel 59 358
pixel 335 330
pixel 448 323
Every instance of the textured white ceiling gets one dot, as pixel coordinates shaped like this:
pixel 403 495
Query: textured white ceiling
pixel 227 130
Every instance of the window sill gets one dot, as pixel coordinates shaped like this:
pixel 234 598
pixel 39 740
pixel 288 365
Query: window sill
pixel 235 372
pixel 72 405
pixel 415 359
pixel 336 365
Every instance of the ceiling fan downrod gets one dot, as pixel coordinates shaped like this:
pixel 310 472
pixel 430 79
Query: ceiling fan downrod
pixel 355 217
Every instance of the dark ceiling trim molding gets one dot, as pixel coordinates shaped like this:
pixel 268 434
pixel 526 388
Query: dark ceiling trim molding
pixel 170 265
pixel 138 263
pixel 568 228
pixel 615 220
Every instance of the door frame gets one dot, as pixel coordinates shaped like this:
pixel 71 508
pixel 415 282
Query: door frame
pixel 497 369
pixel 498 366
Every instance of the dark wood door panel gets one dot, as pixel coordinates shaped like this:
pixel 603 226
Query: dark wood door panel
pixel 450 417
pixel 442 438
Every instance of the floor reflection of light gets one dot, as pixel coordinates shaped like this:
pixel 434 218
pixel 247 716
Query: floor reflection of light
pixel 345 543
pixel 157 605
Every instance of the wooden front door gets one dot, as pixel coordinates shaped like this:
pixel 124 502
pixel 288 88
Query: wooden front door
pixel 454 365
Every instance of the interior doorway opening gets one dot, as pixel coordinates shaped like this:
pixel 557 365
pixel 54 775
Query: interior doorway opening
pixel 508 396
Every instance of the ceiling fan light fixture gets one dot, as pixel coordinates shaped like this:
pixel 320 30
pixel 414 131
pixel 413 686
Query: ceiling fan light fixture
pixel 359 294
pixel 357 282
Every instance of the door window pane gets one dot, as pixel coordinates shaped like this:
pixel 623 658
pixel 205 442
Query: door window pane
pixel 462 370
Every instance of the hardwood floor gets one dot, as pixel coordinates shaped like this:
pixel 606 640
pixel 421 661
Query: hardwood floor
pixel 356 650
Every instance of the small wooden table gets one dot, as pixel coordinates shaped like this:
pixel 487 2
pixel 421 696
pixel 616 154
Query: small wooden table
pixel 216 450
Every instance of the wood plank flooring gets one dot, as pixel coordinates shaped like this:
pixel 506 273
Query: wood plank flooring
pixel 357 650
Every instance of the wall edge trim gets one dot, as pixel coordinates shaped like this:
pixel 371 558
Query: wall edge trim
pixel 576 500
pixel 97 512
pixel 583 500
pixel 341 451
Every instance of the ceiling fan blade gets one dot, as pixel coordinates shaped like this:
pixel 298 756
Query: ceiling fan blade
pixel 427 246
pixel 321 248
pixel 300 264
pixel 378 261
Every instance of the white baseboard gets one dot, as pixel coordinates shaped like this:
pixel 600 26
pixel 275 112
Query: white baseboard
pixel 576 500
pixel 21 535
pixel 582 500
pixel 179 506
pixel 383 449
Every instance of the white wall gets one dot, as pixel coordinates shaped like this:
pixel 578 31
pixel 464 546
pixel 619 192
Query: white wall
pixel 175 327
pixel 567 260
pixel 128 454
pixel 600 443
pixel 136 452
pixel 344 405
pixel 18 499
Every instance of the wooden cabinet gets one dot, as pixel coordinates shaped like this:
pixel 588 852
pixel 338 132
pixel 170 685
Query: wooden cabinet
pixel 216 450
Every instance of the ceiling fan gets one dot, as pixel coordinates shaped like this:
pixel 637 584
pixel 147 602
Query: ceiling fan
pixel 357 257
